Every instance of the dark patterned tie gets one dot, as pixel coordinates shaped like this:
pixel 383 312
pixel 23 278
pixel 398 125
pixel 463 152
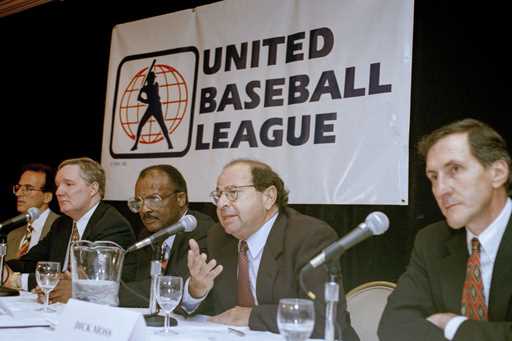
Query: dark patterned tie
pixel 164 256
pixel 244 295
pixel 75 236
pixel 25 242
pixel 473 302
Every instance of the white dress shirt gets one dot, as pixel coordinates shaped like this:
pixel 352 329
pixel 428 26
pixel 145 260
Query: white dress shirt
pixel 490 240
pixel 81 224
pixel 256 242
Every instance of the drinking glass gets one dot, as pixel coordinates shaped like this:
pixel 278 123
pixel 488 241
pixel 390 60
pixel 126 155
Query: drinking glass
pixel 169 290
pixel 47 277
pixel 295 318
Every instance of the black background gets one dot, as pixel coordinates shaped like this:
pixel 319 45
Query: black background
pixel 54 63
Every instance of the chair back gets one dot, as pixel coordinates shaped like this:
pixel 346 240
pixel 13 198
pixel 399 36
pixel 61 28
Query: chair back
pixel 366 304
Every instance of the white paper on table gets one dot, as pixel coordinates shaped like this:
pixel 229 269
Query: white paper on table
pixel 21 311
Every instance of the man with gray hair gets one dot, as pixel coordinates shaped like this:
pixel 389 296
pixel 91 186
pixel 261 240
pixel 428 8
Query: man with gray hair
pixel 80 189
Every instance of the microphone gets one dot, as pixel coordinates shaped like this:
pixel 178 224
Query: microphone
pixel 375 223
pixel 10 224
pixel 187 223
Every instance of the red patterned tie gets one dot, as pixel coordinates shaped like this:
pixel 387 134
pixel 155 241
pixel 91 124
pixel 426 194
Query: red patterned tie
pixel 473 302
pixel 25 242
pixel 244 295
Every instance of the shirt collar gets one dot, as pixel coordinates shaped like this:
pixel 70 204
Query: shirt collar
pixel 39 222
pixel 490 238
pixel 81 223
pixel 258 239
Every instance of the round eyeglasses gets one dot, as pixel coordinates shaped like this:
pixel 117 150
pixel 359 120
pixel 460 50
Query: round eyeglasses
pixel 135 204
pixel 231 193
pixel 25 188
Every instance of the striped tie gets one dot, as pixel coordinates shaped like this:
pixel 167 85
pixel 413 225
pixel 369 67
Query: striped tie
pixel 473 302
pixel 25 241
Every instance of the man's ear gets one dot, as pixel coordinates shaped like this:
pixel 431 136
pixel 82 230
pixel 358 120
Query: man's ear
pixel 47 197
pixel 500 173
pixel 269 197
pixel 95 188
pixel 181 199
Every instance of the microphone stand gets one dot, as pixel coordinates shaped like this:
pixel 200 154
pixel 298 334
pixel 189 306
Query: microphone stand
pixel 153 319
pixel 3 290
pixel 331 295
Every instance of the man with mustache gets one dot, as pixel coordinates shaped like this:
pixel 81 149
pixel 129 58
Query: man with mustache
pixel 34 189
pixel 256 253
pixel 161 200
pixel 457 285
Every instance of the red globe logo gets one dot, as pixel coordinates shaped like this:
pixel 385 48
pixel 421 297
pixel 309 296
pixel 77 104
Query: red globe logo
pixel 171 101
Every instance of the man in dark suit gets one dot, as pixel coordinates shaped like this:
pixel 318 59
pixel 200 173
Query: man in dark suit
pixel 457 284
pixel 161 200
pixel 34 189
pixel 257 252
pixel 80 189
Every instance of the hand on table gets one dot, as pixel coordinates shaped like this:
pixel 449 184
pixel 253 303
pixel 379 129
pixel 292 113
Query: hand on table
pixel 236 316
pixel 441 319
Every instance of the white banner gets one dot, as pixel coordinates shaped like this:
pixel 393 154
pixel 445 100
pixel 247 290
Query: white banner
pixel 319 90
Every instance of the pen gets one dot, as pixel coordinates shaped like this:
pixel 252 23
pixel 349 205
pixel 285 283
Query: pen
pixel 236 331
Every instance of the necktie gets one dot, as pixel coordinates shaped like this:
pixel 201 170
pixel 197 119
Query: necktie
pixel 244 295
pixel 473 302
pixel 75 236
pixel 25 241
pixel 164 256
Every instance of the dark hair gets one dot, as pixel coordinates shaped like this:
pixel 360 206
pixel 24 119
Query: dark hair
pixel 486 145
pixel 49 175
pixel 263 176
pixel 180 185
pixel 90 170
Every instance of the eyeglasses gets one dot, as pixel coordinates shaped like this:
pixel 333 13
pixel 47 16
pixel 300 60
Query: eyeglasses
pixel 25 188
pixel 135 204
pixel 231 193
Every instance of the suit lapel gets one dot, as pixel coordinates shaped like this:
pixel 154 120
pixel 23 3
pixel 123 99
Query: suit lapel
pixel 269 265
pixel 501 290
pixel 453 271
pixel 64 235
pixel 227 281
pixel 48 224
pixel 91 224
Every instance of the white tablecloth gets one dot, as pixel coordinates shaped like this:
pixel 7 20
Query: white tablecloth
pixel 22 310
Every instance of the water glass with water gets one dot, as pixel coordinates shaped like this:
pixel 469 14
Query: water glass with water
pixel 47 277
pixel 169 290
pixel 295 318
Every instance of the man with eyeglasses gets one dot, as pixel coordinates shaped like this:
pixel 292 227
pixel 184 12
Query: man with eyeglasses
pixel 80 190
pixel 256 253
pixel 161 200
pixel 35 188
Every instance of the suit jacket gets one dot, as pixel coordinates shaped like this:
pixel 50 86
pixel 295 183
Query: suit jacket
pixel 14 237
pixel 106 223
pixel 177 265
pixel 433 284
pixel 293 241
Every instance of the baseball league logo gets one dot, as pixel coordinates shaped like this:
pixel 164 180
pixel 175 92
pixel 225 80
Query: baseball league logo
pixel 154 104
